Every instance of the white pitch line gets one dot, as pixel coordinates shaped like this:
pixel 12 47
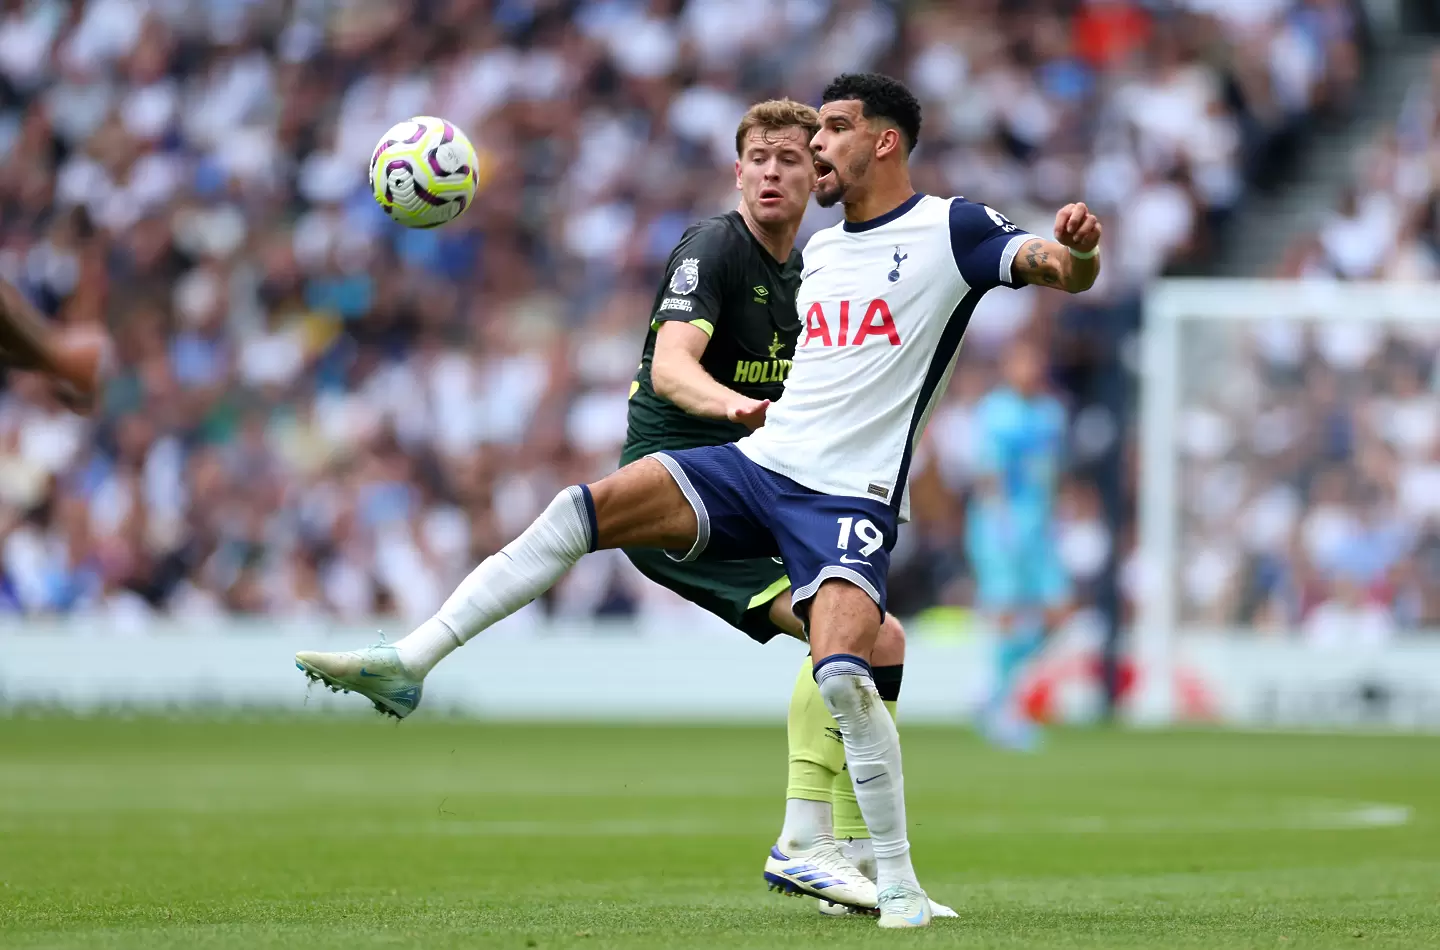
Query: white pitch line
pixel 1338 816
pixel 1361 815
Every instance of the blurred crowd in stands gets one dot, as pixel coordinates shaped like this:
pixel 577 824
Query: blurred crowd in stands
pixel 321 414
pixel 1314 459
pixel 1387 224
pixel 1311 486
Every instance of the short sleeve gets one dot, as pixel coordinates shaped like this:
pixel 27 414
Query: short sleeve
pixel 696 277
pixel 984 243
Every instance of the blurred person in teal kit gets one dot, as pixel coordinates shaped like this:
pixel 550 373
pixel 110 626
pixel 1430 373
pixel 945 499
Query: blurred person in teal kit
pixel 1021 584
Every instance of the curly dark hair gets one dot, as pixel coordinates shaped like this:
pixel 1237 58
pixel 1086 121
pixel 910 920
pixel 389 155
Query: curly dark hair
pixel 882 97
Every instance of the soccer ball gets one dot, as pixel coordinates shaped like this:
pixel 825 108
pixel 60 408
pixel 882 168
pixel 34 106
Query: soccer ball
pixel 424 172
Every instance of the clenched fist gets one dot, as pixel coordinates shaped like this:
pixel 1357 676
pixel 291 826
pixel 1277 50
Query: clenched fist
pixel 1077 228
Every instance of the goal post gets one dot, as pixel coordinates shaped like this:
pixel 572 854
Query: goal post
pixel 1227 367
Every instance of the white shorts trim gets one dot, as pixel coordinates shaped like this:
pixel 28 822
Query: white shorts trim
pixel 835 571
pixel 702 517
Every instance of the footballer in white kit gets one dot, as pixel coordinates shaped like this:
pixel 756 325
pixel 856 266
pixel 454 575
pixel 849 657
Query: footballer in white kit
pixel 885 299
pixel 884 305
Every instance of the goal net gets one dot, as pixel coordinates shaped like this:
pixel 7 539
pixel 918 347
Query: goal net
pixel 1289 499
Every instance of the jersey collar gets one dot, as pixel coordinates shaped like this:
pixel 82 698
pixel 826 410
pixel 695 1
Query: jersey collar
pixel 885 218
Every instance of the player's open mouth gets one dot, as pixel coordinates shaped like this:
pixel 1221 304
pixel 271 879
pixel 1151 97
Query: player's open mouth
pixel 771 196
pixel 823 170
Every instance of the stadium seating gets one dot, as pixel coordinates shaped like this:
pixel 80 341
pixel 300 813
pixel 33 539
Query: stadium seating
pixel 323 414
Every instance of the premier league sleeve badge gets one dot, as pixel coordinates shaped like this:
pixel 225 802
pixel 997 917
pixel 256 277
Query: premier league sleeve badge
pixel 686 277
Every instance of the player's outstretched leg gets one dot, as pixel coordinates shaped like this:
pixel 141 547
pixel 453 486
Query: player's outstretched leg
pixel 639 506
pixel 844 626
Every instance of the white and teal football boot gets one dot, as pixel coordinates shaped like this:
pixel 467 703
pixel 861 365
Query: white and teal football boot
pixel 857 851
pixel 832 909
pixel 374 672
pixel 902 906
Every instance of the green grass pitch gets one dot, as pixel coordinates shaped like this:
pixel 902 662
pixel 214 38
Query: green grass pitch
pixel 356 833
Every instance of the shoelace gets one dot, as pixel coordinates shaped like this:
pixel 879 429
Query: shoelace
pixel 911 896
pixel 831 859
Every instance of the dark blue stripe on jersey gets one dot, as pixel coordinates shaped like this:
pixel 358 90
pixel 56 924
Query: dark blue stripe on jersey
pixel 944 352
pixel 886 218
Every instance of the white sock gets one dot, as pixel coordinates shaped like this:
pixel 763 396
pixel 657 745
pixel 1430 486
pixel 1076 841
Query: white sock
pixel 426 645
pixel 872 752
pixel 807 824
pixel 507 580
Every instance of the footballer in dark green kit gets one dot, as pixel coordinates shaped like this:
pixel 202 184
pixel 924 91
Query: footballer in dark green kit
pixel 723 329
pixel 735 303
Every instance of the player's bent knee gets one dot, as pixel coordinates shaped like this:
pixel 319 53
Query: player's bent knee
pixel 640 506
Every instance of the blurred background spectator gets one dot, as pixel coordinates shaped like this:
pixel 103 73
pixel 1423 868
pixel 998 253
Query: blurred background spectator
pixel 1313 453
pixel 1387 225
pixel 1312 479
pixel 321 414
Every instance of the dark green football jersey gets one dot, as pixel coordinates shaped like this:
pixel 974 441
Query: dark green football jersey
pixel 721 279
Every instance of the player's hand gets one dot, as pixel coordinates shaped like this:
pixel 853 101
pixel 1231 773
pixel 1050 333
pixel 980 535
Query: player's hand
pixel 1077 228
pixel 748 412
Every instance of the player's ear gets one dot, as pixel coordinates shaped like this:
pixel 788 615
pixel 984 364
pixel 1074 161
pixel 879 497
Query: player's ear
pixel 887 142
pixel 738 186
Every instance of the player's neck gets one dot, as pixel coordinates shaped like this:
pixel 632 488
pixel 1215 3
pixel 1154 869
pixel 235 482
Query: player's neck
pixel 880 198
pixel 778 240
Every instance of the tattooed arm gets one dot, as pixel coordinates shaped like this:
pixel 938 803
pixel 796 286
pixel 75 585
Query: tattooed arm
pixel 1051 263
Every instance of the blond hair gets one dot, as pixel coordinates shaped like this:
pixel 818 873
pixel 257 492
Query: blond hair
pixel 774 115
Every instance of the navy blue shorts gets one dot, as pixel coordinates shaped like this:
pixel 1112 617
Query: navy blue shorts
pixel 747 511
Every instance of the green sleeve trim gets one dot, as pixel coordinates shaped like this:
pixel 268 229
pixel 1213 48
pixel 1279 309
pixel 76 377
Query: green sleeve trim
pixel 769 593
pixel 702 323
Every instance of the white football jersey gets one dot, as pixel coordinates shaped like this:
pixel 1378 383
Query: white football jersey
pixel 884 305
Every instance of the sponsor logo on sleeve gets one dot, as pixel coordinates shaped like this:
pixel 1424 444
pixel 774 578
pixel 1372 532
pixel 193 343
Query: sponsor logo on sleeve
pixel 999 218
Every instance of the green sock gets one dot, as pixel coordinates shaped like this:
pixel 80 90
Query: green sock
pixel 817 754
pixel 848 821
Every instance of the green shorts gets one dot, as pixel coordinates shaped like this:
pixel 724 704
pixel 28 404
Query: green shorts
pixel 738 592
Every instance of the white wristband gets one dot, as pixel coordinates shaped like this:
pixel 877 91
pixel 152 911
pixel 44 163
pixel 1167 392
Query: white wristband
pixel 1084 255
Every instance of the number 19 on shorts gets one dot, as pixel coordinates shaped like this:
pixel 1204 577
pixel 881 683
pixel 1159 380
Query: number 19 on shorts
pixel 870 537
